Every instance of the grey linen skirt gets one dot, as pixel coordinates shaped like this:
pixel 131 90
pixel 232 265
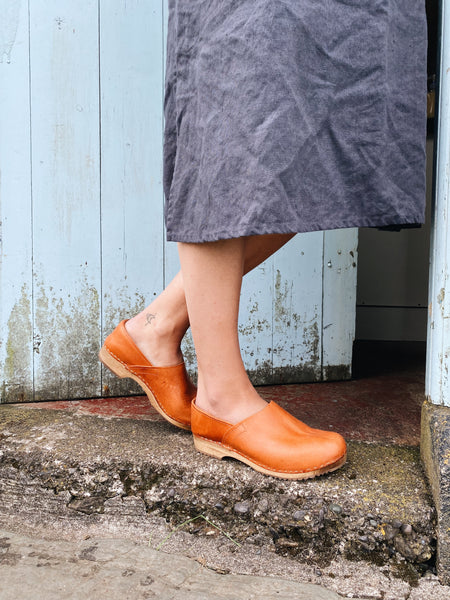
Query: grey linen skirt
pixel 293 116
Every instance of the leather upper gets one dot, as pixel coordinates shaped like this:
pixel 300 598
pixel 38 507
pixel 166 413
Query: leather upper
pixel 170 386
pixel 273 439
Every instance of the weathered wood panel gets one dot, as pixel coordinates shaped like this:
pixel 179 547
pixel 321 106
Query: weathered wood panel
pixel 131 83
pixel 82 212
pixel 256 322
pixel 339 301
pixel 16 323
pixel 66 212
pixel 297 309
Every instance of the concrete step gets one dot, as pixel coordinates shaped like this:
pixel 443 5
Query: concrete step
pixel 77 474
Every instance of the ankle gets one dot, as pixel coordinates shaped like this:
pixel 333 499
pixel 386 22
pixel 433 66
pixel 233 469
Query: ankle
pixel 158 341
pixel 229 403
pixel 147 325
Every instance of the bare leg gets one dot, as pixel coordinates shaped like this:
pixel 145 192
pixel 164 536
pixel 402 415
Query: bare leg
pixel 212 274
pixel 160 327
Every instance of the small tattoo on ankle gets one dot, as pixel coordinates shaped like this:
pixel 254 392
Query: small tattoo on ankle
pixel 150 318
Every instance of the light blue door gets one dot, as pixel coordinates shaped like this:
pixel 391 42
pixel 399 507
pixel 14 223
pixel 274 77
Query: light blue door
pixel 81 212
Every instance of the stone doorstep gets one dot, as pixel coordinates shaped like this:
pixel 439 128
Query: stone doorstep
pixel 83 471
pixel 384 408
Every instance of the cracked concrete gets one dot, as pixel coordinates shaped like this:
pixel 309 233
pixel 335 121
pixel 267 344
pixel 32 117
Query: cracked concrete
pixel 366 531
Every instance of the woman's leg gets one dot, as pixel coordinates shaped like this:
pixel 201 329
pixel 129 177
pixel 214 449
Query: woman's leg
pixel 228 417
pixel 160 327
pixel 212 275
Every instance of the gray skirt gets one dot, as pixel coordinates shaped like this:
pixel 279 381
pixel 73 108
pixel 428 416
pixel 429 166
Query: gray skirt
pixel 293 115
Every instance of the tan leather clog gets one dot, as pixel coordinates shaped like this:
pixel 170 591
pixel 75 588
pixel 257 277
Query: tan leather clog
pixel 271 441
pixel 169 389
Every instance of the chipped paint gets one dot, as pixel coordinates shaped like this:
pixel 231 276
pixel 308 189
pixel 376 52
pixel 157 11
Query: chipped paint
pixel 282 300
pixel 66 361
pixel 338 302
pixel 256 326
pixel 311 339
pixel 66 365
pixel 17 378
pixel 297 340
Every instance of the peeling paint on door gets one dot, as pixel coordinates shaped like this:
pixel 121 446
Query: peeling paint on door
pixel 66 364
pixel 16 380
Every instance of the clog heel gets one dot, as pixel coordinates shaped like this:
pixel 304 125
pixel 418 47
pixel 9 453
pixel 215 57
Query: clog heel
pixel 169 389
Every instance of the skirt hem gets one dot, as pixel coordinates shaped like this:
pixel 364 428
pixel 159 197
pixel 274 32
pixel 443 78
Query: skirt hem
pixel 214 236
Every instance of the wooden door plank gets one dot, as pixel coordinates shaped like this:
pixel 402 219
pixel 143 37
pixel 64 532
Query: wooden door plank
pixel 256 323
pixel 297 323
pixel 339 302
pixel 131 82
pixel 16 320
pixel 65 163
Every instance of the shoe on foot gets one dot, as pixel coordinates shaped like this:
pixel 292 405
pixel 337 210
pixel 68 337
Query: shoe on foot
pixel 270 441
pixel 169 389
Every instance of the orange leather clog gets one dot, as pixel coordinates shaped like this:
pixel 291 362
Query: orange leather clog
pixel 169 389
pixel 271 441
